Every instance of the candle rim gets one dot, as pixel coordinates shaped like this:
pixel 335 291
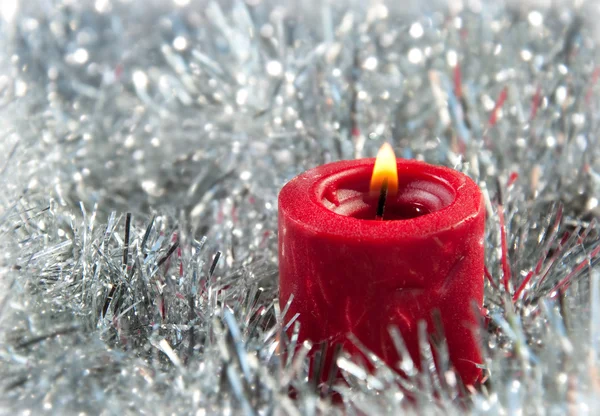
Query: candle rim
pixel 466 205
pixel 339 192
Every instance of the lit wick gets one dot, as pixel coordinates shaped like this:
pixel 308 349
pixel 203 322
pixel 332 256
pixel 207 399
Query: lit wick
pixel 382 199
pixel 384 180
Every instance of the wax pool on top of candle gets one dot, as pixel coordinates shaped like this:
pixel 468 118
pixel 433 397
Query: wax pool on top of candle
pixel 417 194
pixel 350 273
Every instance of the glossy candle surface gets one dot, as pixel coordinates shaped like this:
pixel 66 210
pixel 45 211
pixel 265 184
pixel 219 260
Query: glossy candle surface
pixel 350 273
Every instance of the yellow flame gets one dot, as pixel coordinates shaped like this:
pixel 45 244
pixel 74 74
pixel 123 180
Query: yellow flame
pixel 385 167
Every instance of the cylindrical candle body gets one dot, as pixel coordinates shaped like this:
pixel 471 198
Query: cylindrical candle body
pixel 350 273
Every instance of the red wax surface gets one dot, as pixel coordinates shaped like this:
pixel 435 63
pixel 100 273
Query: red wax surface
pixel 350 273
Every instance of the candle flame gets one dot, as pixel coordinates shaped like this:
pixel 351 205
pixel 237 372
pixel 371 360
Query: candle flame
pixel 385 168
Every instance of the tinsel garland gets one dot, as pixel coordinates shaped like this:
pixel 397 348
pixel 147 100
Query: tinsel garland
pixel 143 147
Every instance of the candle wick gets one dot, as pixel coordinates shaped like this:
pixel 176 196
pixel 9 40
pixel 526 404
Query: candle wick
pixel 382 199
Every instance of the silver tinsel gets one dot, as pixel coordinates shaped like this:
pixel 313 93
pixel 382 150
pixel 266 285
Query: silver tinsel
pixel 143 146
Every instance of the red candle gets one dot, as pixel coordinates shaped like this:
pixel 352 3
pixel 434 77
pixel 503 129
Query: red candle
pixel 350 272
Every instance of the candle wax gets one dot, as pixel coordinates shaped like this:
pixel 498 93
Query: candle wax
pixel 350 273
